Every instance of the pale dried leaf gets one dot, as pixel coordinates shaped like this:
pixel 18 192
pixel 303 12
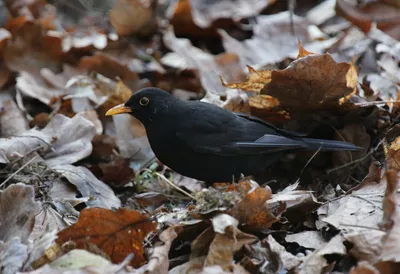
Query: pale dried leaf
pixel 12 255
pixel 289 261
pixel 308 239
pixel 101 195
pixel 316 261
pixel 12 120
pixel 17 212
pixel 70 139
pixel 205 12
pixel 158 260
pixel 367 245
pixel 360 210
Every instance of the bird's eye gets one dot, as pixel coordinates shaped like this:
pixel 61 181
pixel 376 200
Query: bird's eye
pixel 144 101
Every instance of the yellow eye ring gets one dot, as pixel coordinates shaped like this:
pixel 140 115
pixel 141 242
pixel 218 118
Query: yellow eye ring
pixel 144 101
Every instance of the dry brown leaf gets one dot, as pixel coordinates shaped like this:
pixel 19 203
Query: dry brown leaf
pixel 117 233
pixel 158 261
pixel 364 268
pixel 393 154
pixel 223 246
pixel 110 67
pixel 183 23
pixel 32 48
pixel 17 212
pixel 133 16
pixel 312 82
pixel 254 212
pixel 389 203
pixel 386 16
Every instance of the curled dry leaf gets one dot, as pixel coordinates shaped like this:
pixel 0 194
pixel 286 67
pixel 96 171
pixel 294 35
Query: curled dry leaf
pixel 390 200
pixel 317 261
pixel 253 211
pixel 98 193
pixel 69 138
pixel 223 246
pixel 313 81
pixel 117 233
pixel 158 261
pixel 17 212
pixel 34 86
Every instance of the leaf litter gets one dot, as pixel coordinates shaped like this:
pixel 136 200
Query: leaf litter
pixel 84 193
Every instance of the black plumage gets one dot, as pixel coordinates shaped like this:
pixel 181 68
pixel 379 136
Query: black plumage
pixel 206 142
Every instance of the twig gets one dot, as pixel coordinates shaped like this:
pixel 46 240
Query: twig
pixel 355 161
pixel 308 162
pixel 171 183
pixel 18 170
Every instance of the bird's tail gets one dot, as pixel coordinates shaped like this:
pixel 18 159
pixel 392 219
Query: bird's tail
pixel 329 145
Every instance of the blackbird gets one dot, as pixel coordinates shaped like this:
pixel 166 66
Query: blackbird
pixel 212 144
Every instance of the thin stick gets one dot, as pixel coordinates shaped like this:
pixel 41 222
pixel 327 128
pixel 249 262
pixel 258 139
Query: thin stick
pixel 308 162
pixel 21 168
pixel 172 184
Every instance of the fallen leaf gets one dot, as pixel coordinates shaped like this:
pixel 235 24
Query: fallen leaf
pixel 12 120
pixel 204 62
pixel 17 211
pixel 117 233
pixel 158 260
pixel 366 245
pixel 253 211
pixel 68 138
pixel 111 68
pixel 308 239
pixel 364 268
pixel 314 81
pixel 13 253
pixel 99 194
pixel 266 46
pixel 133 17
pixel 204 13
pixel 289 261
pixel 224 245
pixel 385 16
pixel 316 261
pixel 79 258
pixel 32 48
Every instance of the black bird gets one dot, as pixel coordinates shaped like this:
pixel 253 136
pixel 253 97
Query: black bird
pixel 208 143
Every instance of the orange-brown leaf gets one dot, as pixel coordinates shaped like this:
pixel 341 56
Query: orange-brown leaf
pixel 117 233
pixel 253 211
pixel 312 82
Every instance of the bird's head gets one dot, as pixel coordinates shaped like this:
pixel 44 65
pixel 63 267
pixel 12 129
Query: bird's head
pixel 145 105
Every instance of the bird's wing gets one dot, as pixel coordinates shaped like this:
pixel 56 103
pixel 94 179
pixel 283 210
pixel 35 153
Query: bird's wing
pixel 225 133
pixel 262 122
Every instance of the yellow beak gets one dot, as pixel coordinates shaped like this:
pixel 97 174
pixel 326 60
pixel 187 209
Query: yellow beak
pixel 118 110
